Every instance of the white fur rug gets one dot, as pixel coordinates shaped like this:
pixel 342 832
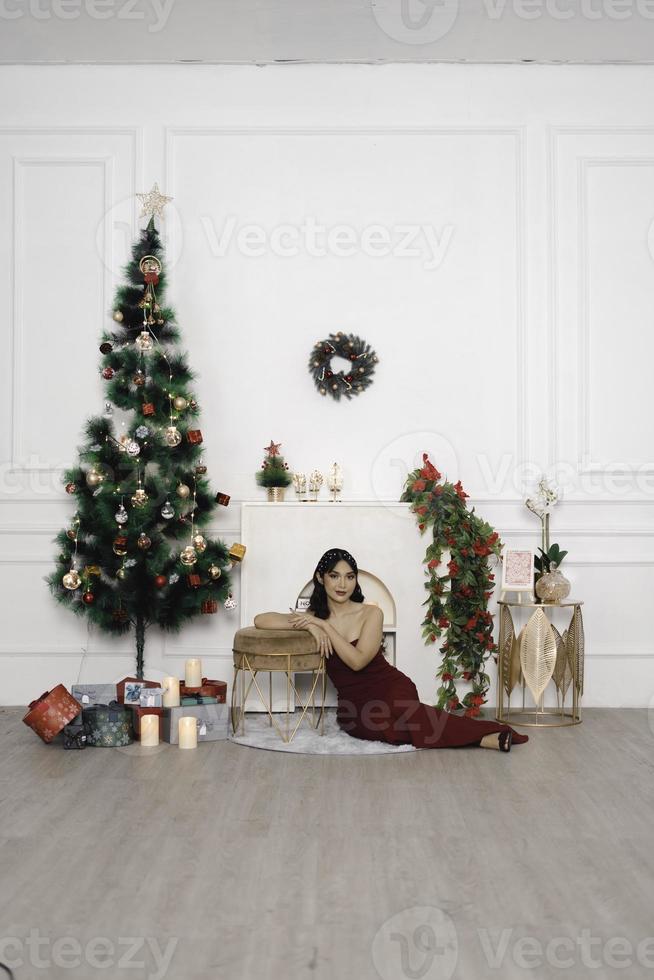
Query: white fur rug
pixel 260 734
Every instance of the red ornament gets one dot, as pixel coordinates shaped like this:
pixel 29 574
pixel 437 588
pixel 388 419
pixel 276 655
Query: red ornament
pixel 148 408
pixel 209 606
pixel 88 598
pixel 329 374
pixel 152 277
pixel 108 373
pixel 194 581
pixel 348 378
pixel 194 436
pixel 353 357
pixel 160 581
pixel 223 498
pixel 71 488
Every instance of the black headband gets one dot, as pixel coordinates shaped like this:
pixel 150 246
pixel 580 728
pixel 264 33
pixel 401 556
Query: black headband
pixel 330 555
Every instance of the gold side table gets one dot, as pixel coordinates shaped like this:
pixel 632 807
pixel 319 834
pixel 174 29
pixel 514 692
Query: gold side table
pixel 536 658
pixel 284 651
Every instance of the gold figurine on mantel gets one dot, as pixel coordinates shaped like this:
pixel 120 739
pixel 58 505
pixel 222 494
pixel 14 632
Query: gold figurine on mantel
pixel 540 654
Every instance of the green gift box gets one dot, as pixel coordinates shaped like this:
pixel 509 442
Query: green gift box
pixel 111 725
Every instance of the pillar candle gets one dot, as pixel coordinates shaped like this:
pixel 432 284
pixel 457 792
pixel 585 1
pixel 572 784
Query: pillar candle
pixel 149 730
pixel 171 692
pixel 188 732
pixel 193 673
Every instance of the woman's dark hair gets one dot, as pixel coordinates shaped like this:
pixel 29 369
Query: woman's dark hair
pixel 318 602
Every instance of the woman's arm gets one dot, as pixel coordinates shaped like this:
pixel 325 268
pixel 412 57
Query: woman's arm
pixel 273 621
pixel 359 656
pixel 286 621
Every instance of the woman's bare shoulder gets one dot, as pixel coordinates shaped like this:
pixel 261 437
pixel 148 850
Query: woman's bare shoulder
pixel 372 610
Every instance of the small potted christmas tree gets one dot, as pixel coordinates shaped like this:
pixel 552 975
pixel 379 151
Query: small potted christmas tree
pixel 274 473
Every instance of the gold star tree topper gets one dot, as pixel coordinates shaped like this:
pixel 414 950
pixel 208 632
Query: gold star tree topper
pixel 273 448
pixel 153 202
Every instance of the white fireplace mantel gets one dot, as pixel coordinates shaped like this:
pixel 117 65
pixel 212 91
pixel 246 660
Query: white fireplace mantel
pixel 285 541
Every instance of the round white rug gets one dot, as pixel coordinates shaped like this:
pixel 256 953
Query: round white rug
pixel 260 734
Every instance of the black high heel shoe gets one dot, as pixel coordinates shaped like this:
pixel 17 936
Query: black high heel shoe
pixel 505 740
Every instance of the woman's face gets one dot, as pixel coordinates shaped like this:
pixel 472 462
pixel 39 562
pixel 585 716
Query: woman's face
pixel 340 582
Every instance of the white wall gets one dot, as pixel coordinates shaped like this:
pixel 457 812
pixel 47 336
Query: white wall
pixel 529 342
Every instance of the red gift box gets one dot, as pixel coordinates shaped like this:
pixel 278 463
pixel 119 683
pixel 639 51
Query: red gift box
pixel 209 688
pixel 137 714
pixel 50 713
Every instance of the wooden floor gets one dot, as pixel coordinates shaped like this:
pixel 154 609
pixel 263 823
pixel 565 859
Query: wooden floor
pixel 265 865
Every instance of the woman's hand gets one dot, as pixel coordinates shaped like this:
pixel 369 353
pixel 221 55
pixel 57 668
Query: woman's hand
pixel 324 643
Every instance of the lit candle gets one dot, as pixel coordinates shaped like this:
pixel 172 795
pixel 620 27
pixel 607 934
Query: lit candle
pixel 171 692
pixel 188 732
pixel 150 730
pixel 193 673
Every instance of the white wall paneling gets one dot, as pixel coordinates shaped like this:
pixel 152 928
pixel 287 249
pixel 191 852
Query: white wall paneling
pixel 513 328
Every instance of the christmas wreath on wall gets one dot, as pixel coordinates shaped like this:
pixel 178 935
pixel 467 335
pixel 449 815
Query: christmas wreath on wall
pixel 461 609
pixel 349 382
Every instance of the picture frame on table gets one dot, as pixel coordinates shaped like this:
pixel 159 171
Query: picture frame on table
pixel 517 571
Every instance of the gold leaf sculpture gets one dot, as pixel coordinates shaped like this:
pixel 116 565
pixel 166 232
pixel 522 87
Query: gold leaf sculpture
pixel 538 653
pixel 507 637
pixel 575 649
pixel 562 671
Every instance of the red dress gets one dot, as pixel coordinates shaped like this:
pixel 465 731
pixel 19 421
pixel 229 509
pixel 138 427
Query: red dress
pixel 380 703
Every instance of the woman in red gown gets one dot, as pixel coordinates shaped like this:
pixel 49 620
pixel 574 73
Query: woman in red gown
pixel 375 700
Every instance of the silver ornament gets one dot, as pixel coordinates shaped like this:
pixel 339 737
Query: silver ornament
pixel 167 510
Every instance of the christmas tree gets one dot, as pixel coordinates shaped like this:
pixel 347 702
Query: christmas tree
pixel 274 470
pixel 134 554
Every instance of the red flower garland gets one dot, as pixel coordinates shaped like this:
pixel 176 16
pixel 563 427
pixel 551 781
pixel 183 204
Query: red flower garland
pixel 461 610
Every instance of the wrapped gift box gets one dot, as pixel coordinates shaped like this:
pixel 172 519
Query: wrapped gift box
pixel 50 713
pixel 111 725
pixel 137 713
pixel 152 697
pixel 213 722
pixel 120 687
pixel 209 688
pixel 94 693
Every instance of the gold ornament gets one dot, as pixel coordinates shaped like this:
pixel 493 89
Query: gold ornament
pixel 237 552
pixel 139 378
pixel 183 491
pixel 172 436
pixel 188 556
pixel 118 316
pixel 139 498
pixel 199 543
pixel 143 542
pixel 150 263
pixel 214 572
pixel 180 403
pixel 144 341
pixel 94 477
pixel 153 202
pixel 71 580
pixel 121 573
